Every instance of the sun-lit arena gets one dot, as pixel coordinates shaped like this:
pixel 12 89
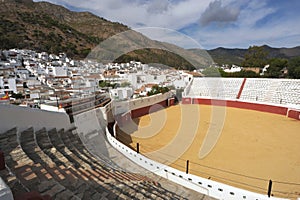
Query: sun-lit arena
pixel 228 138
pixel 241 132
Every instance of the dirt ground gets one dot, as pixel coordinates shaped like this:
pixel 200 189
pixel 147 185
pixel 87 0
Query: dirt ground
pixel 239 147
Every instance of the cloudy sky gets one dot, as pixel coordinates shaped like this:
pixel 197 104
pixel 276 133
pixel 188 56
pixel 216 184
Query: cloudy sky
pixel 212 23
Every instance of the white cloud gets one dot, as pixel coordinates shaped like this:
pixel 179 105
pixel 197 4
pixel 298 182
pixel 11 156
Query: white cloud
pixel 242 31
pixel 274 34
pixel 158 6
pixel 216 12
pixel 158 13
pixel 253 12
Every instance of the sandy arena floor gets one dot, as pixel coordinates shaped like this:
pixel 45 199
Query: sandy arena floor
pixel 239 147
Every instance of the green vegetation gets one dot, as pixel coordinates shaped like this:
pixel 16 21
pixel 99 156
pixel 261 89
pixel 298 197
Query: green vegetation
pixel 160 56
pixel 15 37
pixel 125 84
pixel 276 65
pixel 241 74
pixel 157 89
pixel 255 57
pixel 106 84
pixel 227 56
pixel 294 68
pixel 218 72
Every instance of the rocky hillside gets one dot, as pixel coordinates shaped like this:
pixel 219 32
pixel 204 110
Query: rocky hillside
pixel 47 27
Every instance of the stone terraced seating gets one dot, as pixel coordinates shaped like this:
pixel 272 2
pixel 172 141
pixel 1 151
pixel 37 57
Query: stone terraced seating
pixel 57 164
pixel 13 182
pixel 73 142
pixel 85 182
pixel 105 174
pixel 31 175
pixel 33 151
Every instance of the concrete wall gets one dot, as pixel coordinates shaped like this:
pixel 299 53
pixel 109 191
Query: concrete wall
pixel 141 106
pixel 126 111
pixel 93 120
pixel 22 117
pixel 148 101
pixel 149 109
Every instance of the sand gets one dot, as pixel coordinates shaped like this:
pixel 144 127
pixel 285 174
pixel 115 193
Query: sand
pixel 239 147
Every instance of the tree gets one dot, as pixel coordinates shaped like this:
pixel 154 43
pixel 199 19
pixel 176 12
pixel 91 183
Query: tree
pixel 157 89
pixel 276 65
pixel 294 68
pixel 125 84
pixel 255 57
pixel 241 74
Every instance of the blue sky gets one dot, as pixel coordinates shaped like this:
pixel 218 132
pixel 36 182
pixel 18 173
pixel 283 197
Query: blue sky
pixel 212 23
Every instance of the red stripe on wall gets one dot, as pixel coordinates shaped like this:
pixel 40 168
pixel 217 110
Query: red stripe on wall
pixel 243 105
pixel 241 89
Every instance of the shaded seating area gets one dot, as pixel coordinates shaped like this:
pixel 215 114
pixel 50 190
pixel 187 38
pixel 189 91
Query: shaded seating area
pixel 55 164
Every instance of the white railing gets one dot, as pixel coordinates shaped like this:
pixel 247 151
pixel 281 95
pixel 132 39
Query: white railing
pixel 199 184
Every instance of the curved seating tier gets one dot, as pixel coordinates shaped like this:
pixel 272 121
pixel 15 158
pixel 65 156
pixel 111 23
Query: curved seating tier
pixel 275 91
pixel 56 163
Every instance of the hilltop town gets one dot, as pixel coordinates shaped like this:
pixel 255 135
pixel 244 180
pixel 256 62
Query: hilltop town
pixel 29 78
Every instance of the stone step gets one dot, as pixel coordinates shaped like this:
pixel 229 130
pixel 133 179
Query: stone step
pixel 13 182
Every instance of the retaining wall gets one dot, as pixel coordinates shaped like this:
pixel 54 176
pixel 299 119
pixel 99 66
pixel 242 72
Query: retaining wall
pixel 23 118
pixel 127 110
pixel 149 109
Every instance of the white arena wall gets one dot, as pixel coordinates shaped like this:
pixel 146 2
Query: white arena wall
pixel 202 185
pixel 199 184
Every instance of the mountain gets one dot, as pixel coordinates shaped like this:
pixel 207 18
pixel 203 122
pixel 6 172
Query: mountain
pixel 227 56
pixel 236 56
pixel 43 26
pixel 47 27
